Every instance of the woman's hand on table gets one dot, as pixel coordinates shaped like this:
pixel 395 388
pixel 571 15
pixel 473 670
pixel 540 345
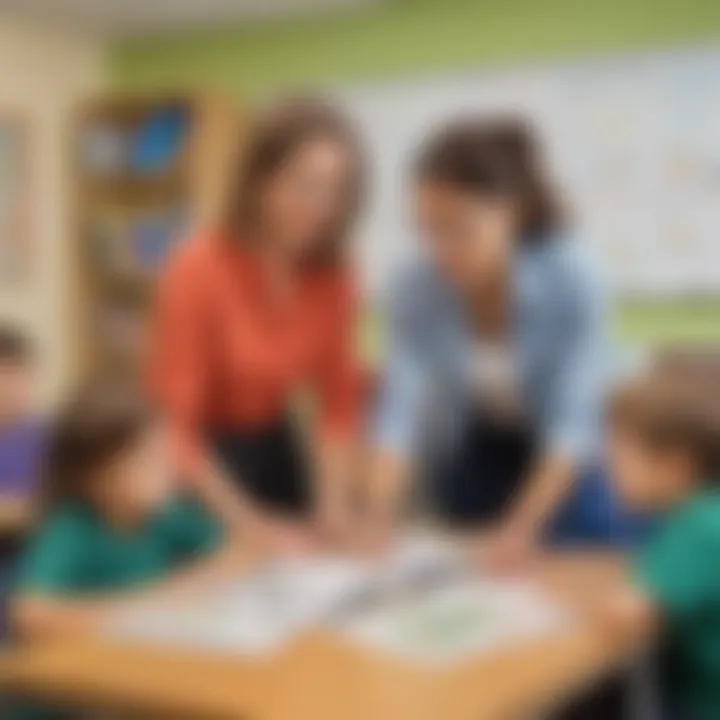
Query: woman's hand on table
pixel 508 549
pixel 515 543
pixel 334 525
pixel 290 537
pixel 372 538
pixel 284 537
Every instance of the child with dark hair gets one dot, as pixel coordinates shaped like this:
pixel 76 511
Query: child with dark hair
pixel 21 450
pixel 21 436
pixel 112 529
pixel 664 452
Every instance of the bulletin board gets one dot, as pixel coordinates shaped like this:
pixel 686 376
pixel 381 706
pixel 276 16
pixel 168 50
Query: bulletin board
pixel 633 142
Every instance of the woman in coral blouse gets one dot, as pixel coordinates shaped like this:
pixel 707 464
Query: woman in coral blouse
pixel 250 315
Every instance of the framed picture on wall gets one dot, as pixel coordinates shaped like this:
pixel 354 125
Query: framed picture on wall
pixel 15 200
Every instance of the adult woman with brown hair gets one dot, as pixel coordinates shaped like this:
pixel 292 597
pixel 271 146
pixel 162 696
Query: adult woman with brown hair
pixel 498 357
pixel 251 314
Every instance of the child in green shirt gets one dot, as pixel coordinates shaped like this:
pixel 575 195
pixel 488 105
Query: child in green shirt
pixel 114 532
pixel 664 453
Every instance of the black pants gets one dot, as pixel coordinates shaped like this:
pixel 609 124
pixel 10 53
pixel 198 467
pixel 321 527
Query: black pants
pixel 270 465
pixel 477 484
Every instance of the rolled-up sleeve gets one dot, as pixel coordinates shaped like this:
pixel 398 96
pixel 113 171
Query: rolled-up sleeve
pixel 396 416
pixel 574 428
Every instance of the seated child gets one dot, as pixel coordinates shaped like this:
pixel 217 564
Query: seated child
pixel 21 452
pixel 21 436
pixel 664 452
pixel 113 531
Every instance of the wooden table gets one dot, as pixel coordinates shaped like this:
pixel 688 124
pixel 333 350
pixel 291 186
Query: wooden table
pixel 321 677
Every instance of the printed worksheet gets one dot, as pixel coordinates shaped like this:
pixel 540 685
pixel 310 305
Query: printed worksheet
pixel 422 600
pixel 464 618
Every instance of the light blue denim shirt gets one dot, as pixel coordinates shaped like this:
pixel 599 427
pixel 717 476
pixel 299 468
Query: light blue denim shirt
pixel 559 341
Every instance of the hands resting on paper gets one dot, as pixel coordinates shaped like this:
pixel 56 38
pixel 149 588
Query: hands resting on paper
pixel 504 549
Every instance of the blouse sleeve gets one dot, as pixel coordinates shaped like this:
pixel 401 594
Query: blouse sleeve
pixel 574 426
pixel 397 412
pixel 177 367
pixel 339 374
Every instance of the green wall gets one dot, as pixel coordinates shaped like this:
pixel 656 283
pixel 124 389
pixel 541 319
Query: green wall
pixel 399 37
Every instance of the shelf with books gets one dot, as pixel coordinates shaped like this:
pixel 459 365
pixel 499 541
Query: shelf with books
pixel 148 170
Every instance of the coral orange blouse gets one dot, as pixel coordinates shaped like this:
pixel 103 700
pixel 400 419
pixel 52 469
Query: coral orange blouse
pixel 226 354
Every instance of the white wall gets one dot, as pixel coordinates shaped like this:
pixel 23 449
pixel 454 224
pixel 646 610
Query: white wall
pixel 44 75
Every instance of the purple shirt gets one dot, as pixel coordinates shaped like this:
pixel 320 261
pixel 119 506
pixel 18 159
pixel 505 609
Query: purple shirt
pixel 22 447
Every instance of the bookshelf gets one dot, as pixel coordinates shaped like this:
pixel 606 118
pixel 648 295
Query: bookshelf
pixel 147 171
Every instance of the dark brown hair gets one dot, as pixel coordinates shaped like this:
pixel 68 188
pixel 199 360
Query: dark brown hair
pixel 700 363
pixel 94 427
pixel 275 137
pixel 15 347
pixel 497 156
pixel 667 408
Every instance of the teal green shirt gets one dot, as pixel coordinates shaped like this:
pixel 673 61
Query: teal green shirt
pixel 75 552
pixel 680 571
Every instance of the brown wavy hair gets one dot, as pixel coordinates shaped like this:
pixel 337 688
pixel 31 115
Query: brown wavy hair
pixel 95 426
pixel 274 138
pixel 674 405
pixel 496 156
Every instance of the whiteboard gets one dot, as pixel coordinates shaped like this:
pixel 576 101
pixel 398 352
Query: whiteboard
pixel 633 142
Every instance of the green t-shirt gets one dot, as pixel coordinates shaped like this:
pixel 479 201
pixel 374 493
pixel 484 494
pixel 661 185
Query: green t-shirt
pixel 680 571
pixel 74 551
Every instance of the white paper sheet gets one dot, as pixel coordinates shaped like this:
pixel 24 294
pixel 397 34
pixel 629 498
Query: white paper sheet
pixel 421 583
pixel 256 613
pixel 464 618
pixel 237 619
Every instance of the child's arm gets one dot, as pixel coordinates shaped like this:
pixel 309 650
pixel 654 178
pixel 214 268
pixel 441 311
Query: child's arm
pixel 34 616
pixel 582 576
pixel 627 612
pixel 600 585
pixel 672 580
pixel 36 613
pixel 232 560
pixel 56 579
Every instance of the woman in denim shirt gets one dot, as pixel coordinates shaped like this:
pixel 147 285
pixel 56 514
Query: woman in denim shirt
pixel 498 357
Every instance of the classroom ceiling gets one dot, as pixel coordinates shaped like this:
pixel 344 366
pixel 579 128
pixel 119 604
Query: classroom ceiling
pixel 127 17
